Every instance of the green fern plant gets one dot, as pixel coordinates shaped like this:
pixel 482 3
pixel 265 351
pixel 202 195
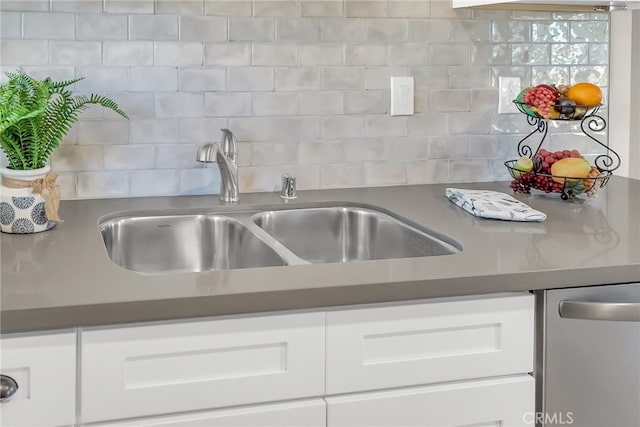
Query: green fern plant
pixel 36 114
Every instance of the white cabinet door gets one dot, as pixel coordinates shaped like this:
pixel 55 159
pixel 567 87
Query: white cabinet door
pixel 503 402
pixel 305 413
pixel 158 369
pixel 430 341
pixel 44 366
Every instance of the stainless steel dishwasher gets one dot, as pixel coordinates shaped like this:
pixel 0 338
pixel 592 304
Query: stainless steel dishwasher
pixel 588 357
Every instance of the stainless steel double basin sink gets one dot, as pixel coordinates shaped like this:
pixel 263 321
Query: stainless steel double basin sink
pixel 156 243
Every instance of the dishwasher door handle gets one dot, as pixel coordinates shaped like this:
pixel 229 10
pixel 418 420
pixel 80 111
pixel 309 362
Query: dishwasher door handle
pixel 589 310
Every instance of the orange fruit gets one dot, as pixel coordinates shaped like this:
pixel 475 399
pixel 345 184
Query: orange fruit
pixel 585 94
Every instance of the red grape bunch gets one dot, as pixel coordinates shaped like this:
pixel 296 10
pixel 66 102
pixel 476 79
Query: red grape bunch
pixel 541 97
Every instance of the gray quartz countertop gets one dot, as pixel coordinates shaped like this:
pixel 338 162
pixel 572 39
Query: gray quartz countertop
pixel 64 278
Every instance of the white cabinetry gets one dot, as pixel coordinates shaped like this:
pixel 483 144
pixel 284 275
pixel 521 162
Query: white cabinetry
pixel 502 402
pixel 44 367
pixel 429 342
pixel 155 369
pixel 306 413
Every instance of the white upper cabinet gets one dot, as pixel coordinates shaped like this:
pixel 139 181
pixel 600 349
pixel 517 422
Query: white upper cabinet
pixel 507 3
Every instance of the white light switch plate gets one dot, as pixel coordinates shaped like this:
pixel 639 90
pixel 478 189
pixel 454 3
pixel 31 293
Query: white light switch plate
pixel 508 88
pixel 401 96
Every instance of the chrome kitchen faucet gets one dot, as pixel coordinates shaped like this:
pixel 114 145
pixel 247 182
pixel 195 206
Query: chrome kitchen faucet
pixel 226 155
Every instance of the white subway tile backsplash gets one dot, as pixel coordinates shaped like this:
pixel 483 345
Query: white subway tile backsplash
pixel 367 8
pixel 24 52
pixel 305 30
pixel 180 7
pixel 320 54
pixel 179 105
pixel 276 7
pixel 252 29
pixel 275 104
pixel 384 173
pixel 203 79
pixel 227 104
pixel 96 185
pixel 228 7
pixel 320 152
pixel 129 6
pixel 204 180
pixel 408 54
pixel 298 79
pixel 101 27
pixel 160 182
pixel 77 6
pixel 321 103
pixel 344 78
pixel 54 26
pixel 343 30
pixel 154 131
pixel 342 127
pixel 429 31
pixel 365 54
pixel 450 100
pixel 103 132
pixel 153 27
pixel 409 9
pixel 176 156
pixel 231 54
pixel 274 54
pixel 10 25
pixel 201 129
pixel 25 6
pixel 383 125
pixel 341 175
pixel 203 29
pixel 250 79
pixel 367 102
pixel 103 79
pixel 387 30
pixel 154 79
pixel 127 52
pixel 304 85
pixel 179 54
pixel 75 158
pixel 322 8
pixel 398 149
pixel 269 153
pixel 75 53
pixel 127 157
pixel 68 185
pixel 363 149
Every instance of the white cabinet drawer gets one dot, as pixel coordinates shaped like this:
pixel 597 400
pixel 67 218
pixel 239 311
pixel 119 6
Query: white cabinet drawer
pixel 428 342
pixel 157 369
pixel 44 367
pixel 500 402
pixel 304 413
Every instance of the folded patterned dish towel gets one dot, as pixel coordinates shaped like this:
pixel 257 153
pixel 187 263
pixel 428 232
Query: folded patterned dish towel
pixel 493 205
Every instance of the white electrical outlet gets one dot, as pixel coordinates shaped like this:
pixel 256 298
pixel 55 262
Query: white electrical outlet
pixel 401 96
pixel 508 88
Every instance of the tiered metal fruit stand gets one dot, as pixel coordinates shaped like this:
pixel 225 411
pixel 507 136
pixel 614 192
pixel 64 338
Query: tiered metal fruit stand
pixel 568 187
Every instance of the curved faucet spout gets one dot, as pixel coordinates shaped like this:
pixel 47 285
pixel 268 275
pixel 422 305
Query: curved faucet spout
pixel 225 155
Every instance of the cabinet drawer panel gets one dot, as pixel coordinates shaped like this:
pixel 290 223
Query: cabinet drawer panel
pixel 427 342
pixel 305 413
pixel 502 402
pixel 44 367
pixel 156 369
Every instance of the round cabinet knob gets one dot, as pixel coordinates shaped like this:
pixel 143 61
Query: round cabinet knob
pixel 8 387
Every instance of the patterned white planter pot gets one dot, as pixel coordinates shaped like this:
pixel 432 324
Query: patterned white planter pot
pixel 22 211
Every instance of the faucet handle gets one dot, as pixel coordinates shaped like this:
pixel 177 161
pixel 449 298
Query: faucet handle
pixel 229 145
pixel 288 190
